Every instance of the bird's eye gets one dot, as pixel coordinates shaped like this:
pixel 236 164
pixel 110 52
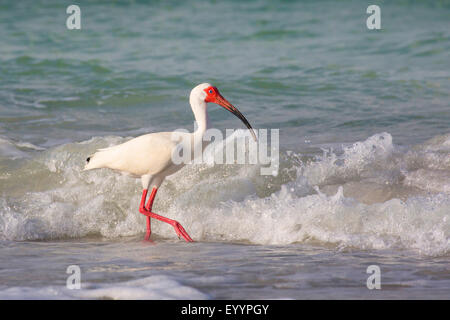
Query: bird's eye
pixel 210 91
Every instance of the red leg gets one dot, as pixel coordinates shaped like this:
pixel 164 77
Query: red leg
pixel 147 212
pixel 150 200
pixel 149 229
pixel 141 207
pixel 148 207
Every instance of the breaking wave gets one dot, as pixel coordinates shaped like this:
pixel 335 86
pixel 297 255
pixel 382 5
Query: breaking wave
pixel 368 195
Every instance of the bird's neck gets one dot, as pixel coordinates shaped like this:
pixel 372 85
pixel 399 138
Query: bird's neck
pixel 201 117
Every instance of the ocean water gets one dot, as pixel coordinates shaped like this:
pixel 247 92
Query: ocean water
pixel 364 179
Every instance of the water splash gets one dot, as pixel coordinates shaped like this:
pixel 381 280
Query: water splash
pixel 369 195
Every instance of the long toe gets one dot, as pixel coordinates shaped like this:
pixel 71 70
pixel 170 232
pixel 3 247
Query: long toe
pixel 181 232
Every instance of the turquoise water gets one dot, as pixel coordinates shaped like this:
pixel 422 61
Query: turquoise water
pixel 364 119
pixel 312 69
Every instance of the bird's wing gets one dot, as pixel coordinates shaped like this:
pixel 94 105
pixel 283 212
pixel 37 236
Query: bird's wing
pixel 146 154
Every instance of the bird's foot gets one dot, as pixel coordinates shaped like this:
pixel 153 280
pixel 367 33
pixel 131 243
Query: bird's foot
pixel 148 233
pixel 180 231
pixel 175 224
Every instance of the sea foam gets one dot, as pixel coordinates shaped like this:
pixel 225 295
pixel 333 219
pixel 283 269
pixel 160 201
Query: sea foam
pixel 370 194
pixel 157 287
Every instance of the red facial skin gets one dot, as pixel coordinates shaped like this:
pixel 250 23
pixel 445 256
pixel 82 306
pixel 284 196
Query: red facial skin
pixel 213 95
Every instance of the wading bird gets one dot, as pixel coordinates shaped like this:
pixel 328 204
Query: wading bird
pixel 150 156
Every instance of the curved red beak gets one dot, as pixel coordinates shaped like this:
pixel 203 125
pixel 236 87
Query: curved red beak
pixel 220 100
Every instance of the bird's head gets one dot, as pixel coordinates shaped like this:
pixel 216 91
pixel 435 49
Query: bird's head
pixel 206 92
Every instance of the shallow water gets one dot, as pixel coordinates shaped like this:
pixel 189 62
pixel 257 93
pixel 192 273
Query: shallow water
pixel 132 269
pixel 364 179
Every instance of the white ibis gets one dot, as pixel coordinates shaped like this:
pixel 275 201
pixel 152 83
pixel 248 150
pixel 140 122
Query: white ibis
pixel 150 156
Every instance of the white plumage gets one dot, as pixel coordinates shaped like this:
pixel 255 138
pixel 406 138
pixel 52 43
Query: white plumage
pixel 150 156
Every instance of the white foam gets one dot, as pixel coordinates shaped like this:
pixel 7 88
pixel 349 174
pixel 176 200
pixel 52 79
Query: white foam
pixel 158 287
pixel 354 160
pixel 419 223
pixel 371 195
